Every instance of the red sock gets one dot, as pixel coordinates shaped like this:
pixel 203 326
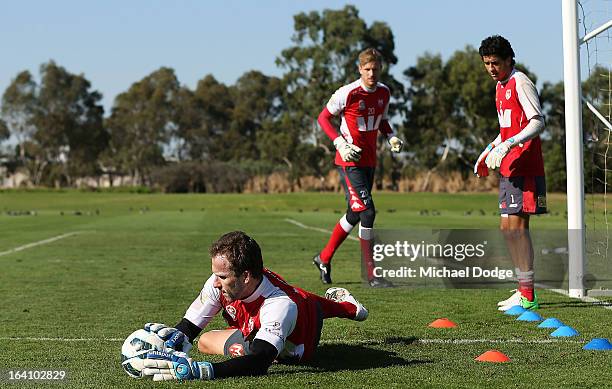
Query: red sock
pixel 527 293
pixel 331 308
pixel 368 261
pixel 526 281
pixel 365 241
pixel 341 231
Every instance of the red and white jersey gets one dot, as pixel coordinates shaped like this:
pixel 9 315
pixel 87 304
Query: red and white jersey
pixel 275 312
pixel 361 110
pixel 517 102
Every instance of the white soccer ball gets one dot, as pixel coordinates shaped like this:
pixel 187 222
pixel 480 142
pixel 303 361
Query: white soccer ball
pixel 134 349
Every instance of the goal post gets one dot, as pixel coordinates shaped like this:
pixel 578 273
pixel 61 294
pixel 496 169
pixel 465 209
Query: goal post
pixel 574 142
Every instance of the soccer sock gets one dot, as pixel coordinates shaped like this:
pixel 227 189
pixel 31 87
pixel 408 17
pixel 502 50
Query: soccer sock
pixel 526 281
pixel 516 273
pixel 331 308
pixel 341 231
pixel 365 241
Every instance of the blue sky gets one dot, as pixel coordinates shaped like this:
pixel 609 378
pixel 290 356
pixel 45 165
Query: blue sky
pixel 115 43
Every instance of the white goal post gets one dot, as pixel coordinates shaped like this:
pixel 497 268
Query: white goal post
pixel 574 142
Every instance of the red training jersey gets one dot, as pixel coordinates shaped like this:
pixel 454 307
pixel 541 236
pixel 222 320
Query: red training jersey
pixel 362 111
pixel 275 312
pixel 517 102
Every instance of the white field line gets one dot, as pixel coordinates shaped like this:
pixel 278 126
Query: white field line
pixel 323 230
pixel 456 341
pixel 362 341
pixel 586 299
pixel 40 242
pixel 36 339
pixel 502 341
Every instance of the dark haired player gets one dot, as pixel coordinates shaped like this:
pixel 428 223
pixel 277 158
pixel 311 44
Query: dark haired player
pixel 517 153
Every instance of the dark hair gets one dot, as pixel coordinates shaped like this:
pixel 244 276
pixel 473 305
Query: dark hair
pixel 241 251
pixel 496 45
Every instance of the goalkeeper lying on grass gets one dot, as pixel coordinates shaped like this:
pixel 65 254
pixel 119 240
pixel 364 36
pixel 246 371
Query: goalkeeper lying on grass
pixel 268 319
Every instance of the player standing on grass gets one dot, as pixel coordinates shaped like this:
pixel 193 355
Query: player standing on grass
pixel 363 108
pixel 517 152
pixel 268 319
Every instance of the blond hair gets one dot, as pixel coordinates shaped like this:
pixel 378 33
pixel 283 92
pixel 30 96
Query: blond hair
pixel 370 55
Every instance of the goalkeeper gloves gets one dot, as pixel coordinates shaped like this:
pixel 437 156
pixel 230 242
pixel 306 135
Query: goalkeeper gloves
pixel 480 167
pixel 348 152
pixel 495 157
pixel 162 366
pixel 396 144
pixel 174 340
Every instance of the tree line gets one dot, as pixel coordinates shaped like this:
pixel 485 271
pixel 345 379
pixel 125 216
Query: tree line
pixel 216 136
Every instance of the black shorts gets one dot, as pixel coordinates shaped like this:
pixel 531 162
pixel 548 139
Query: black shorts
pixel 522 195
pixel 357 183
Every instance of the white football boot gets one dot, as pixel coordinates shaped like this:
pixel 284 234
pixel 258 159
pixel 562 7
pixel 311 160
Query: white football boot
pixel 341 295
pixel 508 303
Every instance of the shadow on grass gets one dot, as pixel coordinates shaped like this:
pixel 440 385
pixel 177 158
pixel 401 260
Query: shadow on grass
pixel 575 304
pixel 352 283
pixel 339 357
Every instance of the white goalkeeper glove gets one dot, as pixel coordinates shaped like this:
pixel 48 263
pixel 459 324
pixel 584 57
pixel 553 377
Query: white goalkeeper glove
pixel 162 366
pixel 480 167
pixel 495 157
pixel 396 144
pixel 174 340
pixel 348 152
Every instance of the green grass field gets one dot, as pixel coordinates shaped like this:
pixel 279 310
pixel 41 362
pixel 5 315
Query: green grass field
pixel 138 258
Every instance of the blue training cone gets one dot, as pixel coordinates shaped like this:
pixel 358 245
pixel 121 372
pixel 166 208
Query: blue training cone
pixel 598 344
pixel 551 322
pixel 529 316
pixel 564 331
pixel 515 310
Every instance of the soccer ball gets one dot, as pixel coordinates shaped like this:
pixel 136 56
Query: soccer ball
pixel 134 349
pixel 138 341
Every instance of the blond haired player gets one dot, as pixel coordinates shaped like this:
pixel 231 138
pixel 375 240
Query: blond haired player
pixel 363 107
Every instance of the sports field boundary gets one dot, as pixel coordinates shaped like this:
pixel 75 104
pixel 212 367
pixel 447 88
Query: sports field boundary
pixel 39 243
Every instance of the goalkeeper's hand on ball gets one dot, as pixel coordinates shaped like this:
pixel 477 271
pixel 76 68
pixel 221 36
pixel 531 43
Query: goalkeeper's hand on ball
pixel 396 144
pixel 174 340
pixel 496 156
pixel 348 152
pixel 163 366
pixel 480 167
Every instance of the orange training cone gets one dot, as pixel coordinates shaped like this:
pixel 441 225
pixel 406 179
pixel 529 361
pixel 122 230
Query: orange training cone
pixel 442 323
pixel 492 356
